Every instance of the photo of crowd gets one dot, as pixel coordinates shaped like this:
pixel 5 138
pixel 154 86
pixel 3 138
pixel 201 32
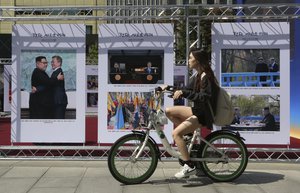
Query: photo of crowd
pixel 129 110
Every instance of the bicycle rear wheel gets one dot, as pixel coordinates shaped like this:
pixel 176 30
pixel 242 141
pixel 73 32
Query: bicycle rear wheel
pixel 235 154
pixel 122 164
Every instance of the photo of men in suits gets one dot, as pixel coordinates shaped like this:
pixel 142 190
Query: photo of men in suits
pixel 40 99
pixel 48 99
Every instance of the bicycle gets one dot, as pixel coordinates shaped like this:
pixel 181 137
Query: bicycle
pixel 221 155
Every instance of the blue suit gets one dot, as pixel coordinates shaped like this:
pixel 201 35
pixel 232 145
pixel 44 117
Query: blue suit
pixel 148 70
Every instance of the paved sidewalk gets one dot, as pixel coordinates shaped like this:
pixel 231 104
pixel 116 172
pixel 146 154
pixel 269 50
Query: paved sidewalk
pixel 93 176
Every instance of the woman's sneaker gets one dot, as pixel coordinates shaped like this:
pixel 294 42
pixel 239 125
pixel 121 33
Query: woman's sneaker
pixel 186 171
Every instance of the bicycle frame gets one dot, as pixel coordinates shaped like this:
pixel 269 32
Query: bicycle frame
pixel 153 124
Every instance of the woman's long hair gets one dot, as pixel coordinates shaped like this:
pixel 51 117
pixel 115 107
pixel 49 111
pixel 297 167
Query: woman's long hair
pixel 202 59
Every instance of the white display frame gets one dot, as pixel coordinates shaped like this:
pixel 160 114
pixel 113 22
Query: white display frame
pixel 258 35
pixel 132 37
pixel 48 37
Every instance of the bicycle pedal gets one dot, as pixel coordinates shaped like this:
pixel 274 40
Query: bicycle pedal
pixel 200 173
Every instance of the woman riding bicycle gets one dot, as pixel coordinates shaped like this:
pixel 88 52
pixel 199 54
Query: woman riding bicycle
pixel 202 90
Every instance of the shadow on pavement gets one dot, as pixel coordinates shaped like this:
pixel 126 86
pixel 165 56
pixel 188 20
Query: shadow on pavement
pixel 251 177
pixel 246 178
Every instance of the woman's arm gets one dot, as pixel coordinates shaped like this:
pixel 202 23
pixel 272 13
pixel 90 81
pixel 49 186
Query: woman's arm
pixel 203 95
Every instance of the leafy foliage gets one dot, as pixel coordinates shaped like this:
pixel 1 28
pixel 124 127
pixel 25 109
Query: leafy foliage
pixel 92 53
pixel 253 105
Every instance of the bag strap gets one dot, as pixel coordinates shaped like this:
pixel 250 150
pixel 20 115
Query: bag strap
pixel 211 111
pixel 208 102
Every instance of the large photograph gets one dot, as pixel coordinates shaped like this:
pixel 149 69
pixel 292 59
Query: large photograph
pixel 256 113
pixel 135 66
pixel 129 110
pixel 48 84
pixel 250 67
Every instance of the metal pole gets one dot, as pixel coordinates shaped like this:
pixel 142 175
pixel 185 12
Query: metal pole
pixel 187 35
pixel 199 30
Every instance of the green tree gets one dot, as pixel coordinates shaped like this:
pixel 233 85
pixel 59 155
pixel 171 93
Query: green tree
pixel 251 105
pixel 92 54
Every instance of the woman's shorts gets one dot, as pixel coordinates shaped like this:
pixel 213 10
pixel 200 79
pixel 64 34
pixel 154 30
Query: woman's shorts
pixel 200 114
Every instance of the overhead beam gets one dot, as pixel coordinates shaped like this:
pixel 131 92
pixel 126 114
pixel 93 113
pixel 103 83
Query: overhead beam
pixel 165 12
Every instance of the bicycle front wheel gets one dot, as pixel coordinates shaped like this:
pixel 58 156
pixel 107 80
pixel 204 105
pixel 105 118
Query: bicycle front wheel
pixel 123 165
pixel 227 160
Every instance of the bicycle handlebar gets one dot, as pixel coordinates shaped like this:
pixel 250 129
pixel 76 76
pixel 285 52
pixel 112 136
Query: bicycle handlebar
pixel 158 92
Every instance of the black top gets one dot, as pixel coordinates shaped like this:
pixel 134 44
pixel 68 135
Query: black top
pixel 262 67
pixel 41 102
pixel 208 93
pixel 41 80
pixel 269 120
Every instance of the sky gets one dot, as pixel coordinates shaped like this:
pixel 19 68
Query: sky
pixel 294 80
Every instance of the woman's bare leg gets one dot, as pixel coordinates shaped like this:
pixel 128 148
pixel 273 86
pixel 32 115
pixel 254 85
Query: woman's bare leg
pixel 187 126
pixel 178 114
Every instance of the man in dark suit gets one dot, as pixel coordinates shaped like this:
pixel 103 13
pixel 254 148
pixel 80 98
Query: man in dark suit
pixel 273 67
pixel 237 116
pixel 116 68
pixel 261 66
pixel 40 99
pixel 60 99
pixel 269 120
pixel 148 69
